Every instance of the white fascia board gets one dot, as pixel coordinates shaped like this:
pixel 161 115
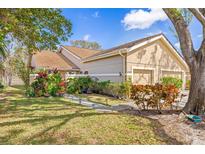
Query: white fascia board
pixel 103 74
pixel 105 55
pixel 144 43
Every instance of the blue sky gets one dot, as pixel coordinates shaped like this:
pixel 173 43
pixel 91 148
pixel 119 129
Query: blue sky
pixel 112 27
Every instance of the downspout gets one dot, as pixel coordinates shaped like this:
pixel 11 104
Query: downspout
pixel 123 64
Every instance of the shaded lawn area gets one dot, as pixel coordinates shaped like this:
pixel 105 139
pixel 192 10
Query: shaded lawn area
pixel 102 99
pixel 58 121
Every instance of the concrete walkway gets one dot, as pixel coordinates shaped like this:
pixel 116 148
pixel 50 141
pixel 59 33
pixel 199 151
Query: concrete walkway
pixel 99 107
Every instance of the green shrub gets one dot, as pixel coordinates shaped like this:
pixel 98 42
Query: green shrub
pixel 84 84
pixel 30 92
pixel 172 81
pixel 188 82
pixel 79 85
pixel 1 86
pixel 125 88
pixel 72 86
pixel 56 85
pixel 119 90
pixel 98 87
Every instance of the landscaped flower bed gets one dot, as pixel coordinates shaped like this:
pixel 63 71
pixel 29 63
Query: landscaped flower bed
pixel 47 85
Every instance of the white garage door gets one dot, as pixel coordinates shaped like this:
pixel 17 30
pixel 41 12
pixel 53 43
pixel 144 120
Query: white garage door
pixel 172 74
pixel 142 76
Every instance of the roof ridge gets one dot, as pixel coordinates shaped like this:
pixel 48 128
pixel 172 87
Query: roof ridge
pixel 119 46
pixel 140 39
pixel 82 48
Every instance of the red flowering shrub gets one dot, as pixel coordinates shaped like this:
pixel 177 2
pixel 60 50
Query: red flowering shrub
pixel 42 75
pixel 62 84
pixel 48 85
pixel 154 96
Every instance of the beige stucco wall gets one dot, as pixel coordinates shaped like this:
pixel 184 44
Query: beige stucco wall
pixel 106 69
pixel 155 56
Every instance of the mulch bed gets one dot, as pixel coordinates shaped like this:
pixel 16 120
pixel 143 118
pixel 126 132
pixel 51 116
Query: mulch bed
pixel 176 125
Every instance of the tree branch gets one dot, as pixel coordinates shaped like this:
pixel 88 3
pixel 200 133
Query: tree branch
pixel 202 14
pixel 198 15
pixel 202 10
pixel 184 35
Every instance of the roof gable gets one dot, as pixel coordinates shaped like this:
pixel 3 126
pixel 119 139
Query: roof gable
pixel 52 60
pixel 123 46
pixel 81 52
pixel 129 47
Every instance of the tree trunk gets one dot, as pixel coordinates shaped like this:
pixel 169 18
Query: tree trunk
pixel 196 101
pixel 27 83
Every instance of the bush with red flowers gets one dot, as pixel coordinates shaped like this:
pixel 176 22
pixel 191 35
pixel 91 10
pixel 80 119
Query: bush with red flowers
pixel 47 85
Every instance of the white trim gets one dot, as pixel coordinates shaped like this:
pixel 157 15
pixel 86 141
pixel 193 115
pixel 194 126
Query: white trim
pixel 144 68
pixel 144 43
pixel 33 75
pixel 170 70
pixel 103 74
pixel 174 71
pixel 71 53
pixel 129 74
pixel 105 55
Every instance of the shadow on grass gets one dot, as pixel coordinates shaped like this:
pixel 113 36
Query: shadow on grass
pixel 21 106
pixel 155 122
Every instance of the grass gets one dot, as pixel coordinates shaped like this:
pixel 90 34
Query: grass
pixel 102 99
pixel 58 121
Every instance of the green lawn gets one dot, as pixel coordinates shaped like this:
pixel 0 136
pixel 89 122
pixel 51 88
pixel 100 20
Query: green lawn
pixel 102 99
pixel 58 121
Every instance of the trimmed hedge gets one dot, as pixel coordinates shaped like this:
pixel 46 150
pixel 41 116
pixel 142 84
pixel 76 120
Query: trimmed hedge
pixel 172 81
pixel 155 96
pixel 88 85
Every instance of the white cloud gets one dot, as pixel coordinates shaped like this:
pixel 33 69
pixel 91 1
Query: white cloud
pixel 86 37
pixel 177 45
pixel 199 36
pixel 141 19
pixel 96 14
pixel 156 32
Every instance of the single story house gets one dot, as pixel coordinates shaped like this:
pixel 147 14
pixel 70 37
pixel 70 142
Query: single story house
pixel 143 61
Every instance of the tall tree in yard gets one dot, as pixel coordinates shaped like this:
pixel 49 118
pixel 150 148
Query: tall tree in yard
pixel 85 44
pixel 194 58
pixel 34 29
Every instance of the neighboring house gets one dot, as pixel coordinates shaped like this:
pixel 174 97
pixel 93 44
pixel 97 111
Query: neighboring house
pixel 50 60
pixel 144 61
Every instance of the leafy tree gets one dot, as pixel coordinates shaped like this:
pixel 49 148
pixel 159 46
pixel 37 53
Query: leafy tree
pixel 34 29
pixel 85 44
pixel 14 64
pixel 194 58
